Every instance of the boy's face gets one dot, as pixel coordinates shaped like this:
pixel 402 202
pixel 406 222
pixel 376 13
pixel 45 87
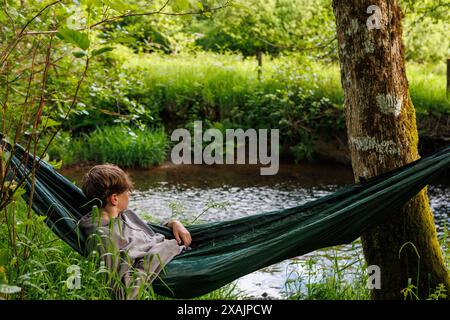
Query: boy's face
pixel 120 200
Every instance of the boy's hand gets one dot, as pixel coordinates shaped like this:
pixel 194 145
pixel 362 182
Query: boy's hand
pixel 180 232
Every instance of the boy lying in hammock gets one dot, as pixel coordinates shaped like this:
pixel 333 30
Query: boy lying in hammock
pixel 127 245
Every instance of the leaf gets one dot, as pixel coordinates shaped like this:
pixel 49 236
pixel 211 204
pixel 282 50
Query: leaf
pixel 124 40
pixel 180 5
pixel 200 5
pixel 41 219
pixel 2 17
pixel 91 3
pixel 7 289
pixel 80 39
pixel 120 5
pixel 48 122
pixel 101 50
pixel 19 192
pixel 79 54
pixel 3 257
pixel 55 164
pixel 28 222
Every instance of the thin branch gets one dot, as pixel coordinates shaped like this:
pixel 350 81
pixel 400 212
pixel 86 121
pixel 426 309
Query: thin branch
pixel 131 14
pixel 25 176
pixel 35 127
pixel 425 12
pixel 9 16
pixel 291 48
pixel 38 14
pixel 13 44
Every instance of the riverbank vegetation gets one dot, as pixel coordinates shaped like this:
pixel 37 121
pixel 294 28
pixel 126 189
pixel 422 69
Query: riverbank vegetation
pixel 302 98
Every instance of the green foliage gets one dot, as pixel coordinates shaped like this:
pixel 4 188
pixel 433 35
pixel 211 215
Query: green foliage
pixel 120 5
pixel 101 51
pixel 180 5
pixel 63 148
pixel 79 54
pixel 143 34
pixel 129 87
pixel 427 89
pixel 421 39
pixel 125 147
pixel 273 26
pixel 427 23
pixel 330 280
pixel 302 98
pixel 160 33
pixel 80 39
pixel 38 261
pixel 36 268
pixel 440 293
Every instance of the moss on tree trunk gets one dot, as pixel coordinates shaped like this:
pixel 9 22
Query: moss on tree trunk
pixel 382 135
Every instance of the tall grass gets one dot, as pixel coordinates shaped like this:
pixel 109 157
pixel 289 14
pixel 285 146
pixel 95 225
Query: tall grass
pixel 328 276
pixel 427 87
pixel 125 147
pixel 229 81
pixel 300 97
pixel 329 279
pixel 42 273
pixel 186 86
pixel 37 263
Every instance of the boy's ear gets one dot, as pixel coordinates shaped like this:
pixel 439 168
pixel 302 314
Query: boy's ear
pixel 113 199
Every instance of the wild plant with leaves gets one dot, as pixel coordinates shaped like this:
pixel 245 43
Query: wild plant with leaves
pixel 46 48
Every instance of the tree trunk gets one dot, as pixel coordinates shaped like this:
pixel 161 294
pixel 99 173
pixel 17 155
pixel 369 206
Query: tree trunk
pixel 382 135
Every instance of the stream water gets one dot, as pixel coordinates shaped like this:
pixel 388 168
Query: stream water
pixel 232 191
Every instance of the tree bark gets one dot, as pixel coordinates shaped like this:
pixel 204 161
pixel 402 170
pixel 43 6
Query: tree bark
pixel 382 135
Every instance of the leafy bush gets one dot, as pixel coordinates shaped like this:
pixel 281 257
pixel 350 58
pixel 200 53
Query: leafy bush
pixel 302 98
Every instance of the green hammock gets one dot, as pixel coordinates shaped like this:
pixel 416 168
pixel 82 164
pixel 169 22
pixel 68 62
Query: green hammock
pixel 225 251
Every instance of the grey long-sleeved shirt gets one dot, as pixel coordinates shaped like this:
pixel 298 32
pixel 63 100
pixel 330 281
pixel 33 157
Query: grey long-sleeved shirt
pixel 130 249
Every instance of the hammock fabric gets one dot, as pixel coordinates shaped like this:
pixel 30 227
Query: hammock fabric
pixel 225 251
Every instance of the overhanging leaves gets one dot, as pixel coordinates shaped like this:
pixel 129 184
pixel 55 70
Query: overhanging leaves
pixel 101 50
pixel 80 39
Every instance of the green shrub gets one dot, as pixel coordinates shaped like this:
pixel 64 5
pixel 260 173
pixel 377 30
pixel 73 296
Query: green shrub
pixel 122 146
pixel 304 99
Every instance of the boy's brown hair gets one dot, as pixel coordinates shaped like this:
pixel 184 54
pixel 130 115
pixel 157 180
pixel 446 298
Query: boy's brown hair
pixel 103 180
